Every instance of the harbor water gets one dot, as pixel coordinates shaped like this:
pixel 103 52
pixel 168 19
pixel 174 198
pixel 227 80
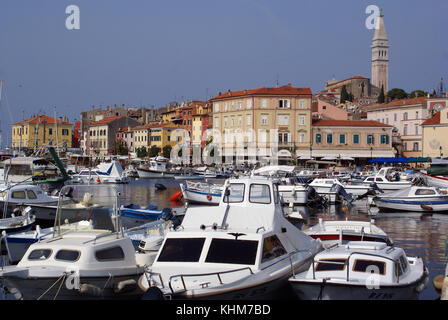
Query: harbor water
pixel 419 235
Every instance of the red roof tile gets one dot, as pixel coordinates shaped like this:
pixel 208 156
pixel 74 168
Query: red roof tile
pixel 41 119
pixel 349 123
pixel 105 120
pixel 434 120
pixel 284 90
pixel 398 103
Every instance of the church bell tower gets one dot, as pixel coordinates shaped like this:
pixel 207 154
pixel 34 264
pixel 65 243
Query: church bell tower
pixel 380 56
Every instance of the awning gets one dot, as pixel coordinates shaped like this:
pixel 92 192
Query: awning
pixel 352 153
pixel 329 158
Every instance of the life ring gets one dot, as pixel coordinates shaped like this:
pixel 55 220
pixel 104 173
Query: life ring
pixel 209 197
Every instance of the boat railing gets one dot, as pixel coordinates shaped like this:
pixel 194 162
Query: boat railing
pixel 347 263
pixel 203 285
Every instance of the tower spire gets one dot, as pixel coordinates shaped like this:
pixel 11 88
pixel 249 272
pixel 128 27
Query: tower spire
pixel 380 55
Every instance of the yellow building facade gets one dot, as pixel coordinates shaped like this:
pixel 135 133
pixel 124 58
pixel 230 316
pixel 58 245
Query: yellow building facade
pixel 435 135
pixel 40 131
pixel 286 109
pixel 142 136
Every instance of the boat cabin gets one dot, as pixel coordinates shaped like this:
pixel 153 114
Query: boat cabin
pixel 357 260
pixel 25 193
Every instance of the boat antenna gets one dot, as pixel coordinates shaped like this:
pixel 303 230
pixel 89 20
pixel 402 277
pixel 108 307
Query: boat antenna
pixel 226 196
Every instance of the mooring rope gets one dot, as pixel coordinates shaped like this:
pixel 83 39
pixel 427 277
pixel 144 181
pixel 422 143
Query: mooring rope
pixel 61 277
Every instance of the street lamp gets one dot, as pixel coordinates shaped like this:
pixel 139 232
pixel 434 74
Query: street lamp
pixel 441 154
pixel 311 152
pixel 371 152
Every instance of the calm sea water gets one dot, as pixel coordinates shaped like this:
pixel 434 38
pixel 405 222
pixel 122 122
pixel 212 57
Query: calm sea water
pixel 418 235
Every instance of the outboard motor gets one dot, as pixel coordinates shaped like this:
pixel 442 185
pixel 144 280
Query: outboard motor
pixel 339 190
pixel 375 187
pixel 167 215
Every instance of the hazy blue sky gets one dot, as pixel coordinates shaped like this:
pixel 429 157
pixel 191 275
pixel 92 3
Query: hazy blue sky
pixel 141 52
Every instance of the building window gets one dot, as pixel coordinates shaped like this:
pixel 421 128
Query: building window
pixel 216 122
pixel 240 121
pixel 405 130
pixel 225 122
pixel 405 116
pixel 356 139
pixel 318 138
pixel 415 146
pixel 225 107
pixel 233 121
pixel 395 117
pixel 416 115
pixel 240 105
pixel 301 120
pixel 50 131
pixel 342 138
pixel 384 139
pixel 217 107
pixel 416 129
pixel 283 104
pixel 249 104
pixel 283 119
pixel 301 137
pixel 249 120
pixel 370 139
pixel 301 104
pixel 264 120
pixel 264 103
pixel 329 138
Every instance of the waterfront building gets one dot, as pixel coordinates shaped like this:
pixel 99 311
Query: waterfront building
pixel 406 115
pixel 141 136
pixel 435 134
pixel 41 130
pixel 328 109
pixel 101 134
pixel 342 139
pixel 161 135
pixel 286 109
pixel 125 136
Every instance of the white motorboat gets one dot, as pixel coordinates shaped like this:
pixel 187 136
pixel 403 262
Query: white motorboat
pixel 20 195
pixel 297 194
pixel 362 270
pixel 435 181
pixel 89 258
pixel 415 198
pixel 21 169
pixel 243 249
pixel 201 192
pixel 383 180
pixel 331 232
pixel 156 167
pixel 323 186
pixel 106 172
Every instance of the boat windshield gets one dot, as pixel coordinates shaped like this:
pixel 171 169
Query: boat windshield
pixel 87 208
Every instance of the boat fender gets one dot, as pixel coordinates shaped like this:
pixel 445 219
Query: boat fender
pixel 125 286
pixel 176 195
pixel 438 281
pixel 209 197
pixel 153 293
pixel 160 186
pixel 90 290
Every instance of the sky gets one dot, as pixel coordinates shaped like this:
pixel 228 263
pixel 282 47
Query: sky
pixel 144 52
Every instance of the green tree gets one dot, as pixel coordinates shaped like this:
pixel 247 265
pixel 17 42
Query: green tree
pixel 381 97
pixel 397 93
pixel 344 94
pixel 141 152
pixel 166 151
pixel 122 149
pixel 418 93
pixel 154 151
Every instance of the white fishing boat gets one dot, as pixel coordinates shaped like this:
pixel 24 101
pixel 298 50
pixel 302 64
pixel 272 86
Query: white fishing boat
pixel 415 198
pixel 156 167
pixel 243 249
pixel 323 186
pixel 89 258
pixel 383 180
pixel 202 192
pixel 297 194
pixel 23 169
pixel 106 172
pixel 362 270
pixel 24 195
pixel 331 232
pixel 435 181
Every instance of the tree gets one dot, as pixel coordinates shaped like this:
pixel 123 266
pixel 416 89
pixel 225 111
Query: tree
pixel 381 97
pixel 344 94
pixel 418 93
pixel 154 151
pixel 166 151
pixel 141 152
pixel 397 93
pixel 122 149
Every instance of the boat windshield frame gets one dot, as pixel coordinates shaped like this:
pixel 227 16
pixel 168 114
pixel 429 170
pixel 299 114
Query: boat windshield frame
pixel 109 203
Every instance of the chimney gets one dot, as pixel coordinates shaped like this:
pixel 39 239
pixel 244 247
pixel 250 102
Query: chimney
pixel 289 84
